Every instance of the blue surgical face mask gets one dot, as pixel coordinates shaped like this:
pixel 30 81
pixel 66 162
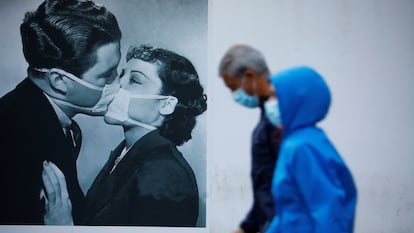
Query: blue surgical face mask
pixel 272 112
pixel 241 97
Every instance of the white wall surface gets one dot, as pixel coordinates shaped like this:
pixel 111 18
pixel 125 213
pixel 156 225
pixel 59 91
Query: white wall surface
pixel 365 50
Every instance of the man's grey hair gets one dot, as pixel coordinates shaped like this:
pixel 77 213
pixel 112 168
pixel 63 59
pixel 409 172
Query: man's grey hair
pixel 239 58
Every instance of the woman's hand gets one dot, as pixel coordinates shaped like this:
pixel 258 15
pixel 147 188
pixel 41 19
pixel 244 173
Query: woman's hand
pixel 58 208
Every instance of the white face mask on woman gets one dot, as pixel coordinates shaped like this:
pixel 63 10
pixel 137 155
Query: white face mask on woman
pixel 108 93
pixel 118 110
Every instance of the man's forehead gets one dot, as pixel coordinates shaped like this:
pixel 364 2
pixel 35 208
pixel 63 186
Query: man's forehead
pixel 107 59
pixel 108 56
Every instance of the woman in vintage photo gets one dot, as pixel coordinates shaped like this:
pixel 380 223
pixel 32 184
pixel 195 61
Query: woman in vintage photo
pixel 146 180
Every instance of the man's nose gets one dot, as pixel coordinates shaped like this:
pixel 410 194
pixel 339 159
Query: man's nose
pixel 122 81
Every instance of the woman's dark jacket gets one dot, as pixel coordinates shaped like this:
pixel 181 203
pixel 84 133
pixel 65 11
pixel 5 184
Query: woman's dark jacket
pixel 153 185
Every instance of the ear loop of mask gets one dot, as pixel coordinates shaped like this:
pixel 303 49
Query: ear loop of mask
pixel 62 102
pixel 99 107
pixel 144 96
pixel 144 125
pixel 71 76
pixel 254 87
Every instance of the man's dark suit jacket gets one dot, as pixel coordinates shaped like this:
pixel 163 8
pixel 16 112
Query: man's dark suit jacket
pixel 30 133
pixel 153 185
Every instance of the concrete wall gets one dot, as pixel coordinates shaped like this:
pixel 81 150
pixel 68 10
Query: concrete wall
pixel 365 50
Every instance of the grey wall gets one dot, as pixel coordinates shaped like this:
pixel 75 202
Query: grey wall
pixel 365 50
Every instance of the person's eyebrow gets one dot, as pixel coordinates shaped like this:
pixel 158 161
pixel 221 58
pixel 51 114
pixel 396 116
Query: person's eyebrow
pixel 140 72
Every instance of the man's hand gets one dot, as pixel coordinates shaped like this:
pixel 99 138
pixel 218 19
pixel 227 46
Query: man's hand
pixel 58 208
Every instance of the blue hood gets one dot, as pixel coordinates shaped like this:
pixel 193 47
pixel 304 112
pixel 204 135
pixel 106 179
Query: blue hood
pixel 304 97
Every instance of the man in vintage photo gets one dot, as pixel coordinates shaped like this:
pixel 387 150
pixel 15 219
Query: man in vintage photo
pixel 72 49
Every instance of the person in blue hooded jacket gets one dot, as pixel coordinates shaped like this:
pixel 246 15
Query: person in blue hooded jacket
pixel 312 187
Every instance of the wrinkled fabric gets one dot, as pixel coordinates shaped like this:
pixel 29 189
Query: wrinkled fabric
pixel 312 187
pixel 153 185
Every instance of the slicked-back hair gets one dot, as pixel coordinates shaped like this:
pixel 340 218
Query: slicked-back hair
pixel 180 79
pixel 239 58
pixel 66 34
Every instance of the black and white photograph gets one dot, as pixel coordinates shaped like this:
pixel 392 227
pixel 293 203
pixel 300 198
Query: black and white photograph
pixel 103 113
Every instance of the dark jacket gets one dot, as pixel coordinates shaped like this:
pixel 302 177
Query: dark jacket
pixel 30 133
pixel 265 146
pixel 153 185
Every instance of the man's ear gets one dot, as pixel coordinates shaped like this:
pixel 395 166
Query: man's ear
pixel 250 81
pixel 168 105
pixel 250 74
pixel 57 82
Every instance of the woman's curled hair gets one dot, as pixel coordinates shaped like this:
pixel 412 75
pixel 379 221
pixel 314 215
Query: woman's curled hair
pixel 180 79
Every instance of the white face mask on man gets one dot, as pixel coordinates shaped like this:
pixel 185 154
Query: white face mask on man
pixel 118 110
pixel 108 93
